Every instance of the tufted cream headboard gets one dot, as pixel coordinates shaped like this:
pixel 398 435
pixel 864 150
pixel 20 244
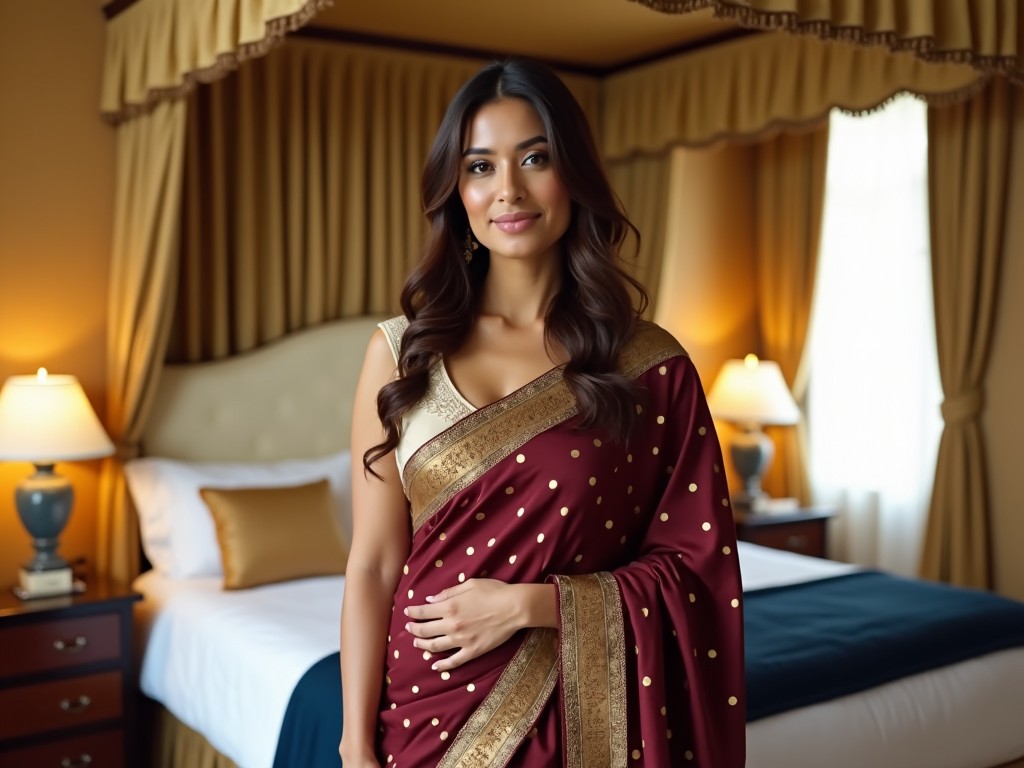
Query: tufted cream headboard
pixel 289 399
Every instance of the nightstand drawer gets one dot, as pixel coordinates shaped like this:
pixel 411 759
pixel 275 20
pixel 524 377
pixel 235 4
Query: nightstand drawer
pixel 804 538
pixel 97 750
pixel 59 643
pixel 42 707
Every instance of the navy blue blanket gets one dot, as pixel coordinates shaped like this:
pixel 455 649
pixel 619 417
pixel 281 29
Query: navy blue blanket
pixel 815 641
pixel 805 644
pixel 312 723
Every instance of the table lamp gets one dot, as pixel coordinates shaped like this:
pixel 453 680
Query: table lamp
pixel 751 394
pixel 45 419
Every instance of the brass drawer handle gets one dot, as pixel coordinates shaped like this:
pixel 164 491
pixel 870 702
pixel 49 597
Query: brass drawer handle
pixel 71 646
pixel 80 704
pixel 83 760
pixel 797 542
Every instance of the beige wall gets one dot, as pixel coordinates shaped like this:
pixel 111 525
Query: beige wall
pixel 56 207
pixel 707 296
pixel 1004 411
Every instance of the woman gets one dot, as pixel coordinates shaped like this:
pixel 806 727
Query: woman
pixel 543 568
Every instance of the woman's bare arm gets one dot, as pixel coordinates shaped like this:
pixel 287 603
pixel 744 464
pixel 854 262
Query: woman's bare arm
pixel 380 546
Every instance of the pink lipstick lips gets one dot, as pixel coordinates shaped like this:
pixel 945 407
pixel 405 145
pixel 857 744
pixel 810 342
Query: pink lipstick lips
pixel 513 223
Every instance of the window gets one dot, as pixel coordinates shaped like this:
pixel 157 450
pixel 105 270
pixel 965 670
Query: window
pixel 873 403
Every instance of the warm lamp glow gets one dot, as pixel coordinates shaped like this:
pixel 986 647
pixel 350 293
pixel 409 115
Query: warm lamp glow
pixel 752 391
pixel 44 419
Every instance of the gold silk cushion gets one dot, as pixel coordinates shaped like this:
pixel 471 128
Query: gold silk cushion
pixel 267 535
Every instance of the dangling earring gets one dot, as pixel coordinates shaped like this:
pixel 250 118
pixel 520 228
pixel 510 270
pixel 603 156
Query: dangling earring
pixel 471 245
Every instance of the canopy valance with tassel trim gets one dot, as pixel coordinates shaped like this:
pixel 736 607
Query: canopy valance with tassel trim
pixel 160 49
pixel 753 87
pixel 985 34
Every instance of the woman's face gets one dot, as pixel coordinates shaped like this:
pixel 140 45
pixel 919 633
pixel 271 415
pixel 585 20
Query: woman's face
pixel 516 203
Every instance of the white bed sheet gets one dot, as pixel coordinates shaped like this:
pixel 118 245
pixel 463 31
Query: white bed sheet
pixel 201 642
pixel 761 567
pixel 966 715
pixel 225 662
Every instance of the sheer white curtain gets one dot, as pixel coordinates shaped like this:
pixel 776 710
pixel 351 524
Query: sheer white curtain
pixel 873 404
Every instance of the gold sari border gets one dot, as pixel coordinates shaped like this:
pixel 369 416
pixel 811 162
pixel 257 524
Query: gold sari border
pixel 593 648
pixel 650 345
pixel 452 461
pixel 498 726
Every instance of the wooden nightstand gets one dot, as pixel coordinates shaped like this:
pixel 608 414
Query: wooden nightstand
pixel 803 531
pixel 67 680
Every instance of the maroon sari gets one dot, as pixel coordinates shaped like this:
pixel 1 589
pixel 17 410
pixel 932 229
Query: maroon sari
pixel 646 665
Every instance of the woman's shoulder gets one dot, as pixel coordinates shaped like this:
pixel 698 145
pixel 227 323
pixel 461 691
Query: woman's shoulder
pixel 649 345
pixel 394 328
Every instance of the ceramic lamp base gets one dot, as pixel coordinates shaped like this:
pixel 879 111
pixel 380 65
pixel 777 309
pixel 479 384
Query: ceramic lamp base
pixel 43 501
pixel 752 451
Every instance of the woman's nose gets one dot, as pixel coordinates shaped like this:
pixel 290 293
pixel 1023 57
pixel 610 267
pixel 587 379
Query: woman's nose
pixel 510 185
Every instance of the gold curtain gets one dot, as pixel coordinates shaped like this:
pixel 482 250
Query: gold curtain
pixel 302 190
pixel 142 285
pixel 986 34
pixel 642 185
pixel 789 191
pixel 159 49
pixel 749 89
pixel 968 149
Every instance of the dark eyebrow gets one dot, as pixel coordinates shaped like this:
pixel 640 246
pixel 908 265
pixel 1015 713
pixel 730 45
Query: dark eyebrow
pixel 519 147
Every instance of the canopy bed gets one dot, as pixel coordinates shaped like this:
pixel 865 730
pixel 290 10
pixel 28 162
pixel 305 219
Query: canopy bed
pixel 861 666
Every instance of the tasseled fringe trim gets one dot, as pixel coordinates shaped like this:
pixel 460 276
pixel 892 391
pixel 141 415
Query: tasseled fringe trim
pixel 923 47
pixel 775 127
pixel 944 99
pixel 276 29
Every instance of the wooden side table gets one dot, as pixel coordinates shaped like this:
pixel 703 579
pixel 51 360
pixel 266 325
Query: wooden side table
pixel 804 531
pixel 67 679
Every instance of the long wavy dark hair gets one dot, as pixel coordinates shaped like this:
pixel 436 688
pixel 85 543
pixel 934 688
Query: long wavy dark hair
pixel 598 305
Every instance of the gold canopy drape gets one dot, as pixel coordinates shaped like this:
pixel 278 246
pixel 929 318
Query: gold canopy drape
pixel 143 274
pixel 789 192
pixel 968 150
pixel 642 185
pixel 986 34
pixel 752 88
pixel 302 189
pixel 156 51
pixel 159 50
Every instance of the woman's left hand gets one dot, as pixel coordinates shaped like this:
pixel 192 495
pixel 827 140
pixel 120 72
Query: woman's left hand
pixel 475 617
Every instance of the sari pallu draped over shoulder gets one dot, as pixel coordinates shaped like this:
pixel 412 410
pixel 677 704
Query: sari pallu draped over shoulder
pixel 646 665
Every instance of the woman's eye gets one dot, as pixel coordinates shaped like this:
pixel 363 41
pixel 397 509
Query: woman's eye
pixel 535 158
pixel 479 166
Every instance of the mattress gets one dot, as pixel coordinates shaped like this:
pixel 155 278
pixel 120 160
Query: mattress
pixel 200 642
pixel 225 662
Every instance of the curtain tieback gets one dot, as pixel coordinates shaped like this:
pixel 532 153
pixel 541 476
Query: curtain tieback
pixel 126 452
pixel 965 406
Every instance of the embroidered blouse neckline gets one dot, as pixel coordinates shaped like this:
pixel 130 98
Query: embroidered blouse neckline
pixel 462 398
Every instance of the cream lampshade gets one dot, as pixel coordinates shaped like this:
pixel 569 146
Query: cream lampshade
pixel 45 419
pixel 751 394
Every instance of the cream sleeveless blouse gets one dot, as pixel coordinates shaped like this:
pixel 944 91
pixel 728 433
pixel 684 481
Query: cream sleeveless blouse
pixel 440 407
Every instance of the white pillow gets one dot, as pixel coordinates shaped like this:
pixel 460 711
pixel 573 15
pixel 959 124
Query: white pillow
pixel 178 534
